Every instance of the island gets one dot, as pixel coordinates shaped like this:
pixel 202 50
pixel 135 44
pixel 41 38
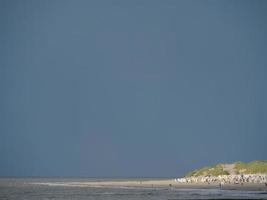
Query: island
pixel 233 176
pixel 254 172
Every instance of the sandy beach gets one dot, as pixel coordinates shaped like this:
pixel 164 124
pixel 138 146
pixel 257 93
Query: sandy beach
pixel 168 183
pixel 114 189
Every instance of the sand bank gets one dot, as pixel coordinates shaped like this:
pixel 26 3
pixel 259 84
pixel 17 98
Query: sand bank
pixel 168 183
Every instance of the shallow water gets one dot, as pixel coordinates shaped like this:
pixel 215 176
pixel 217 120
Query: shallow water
pixel 46 189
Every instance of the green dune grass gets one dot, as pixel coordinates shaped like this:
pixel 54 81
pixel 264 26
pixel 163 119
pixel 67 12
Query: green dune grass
pixel 259 166
pixel 254 167
pixel 213 171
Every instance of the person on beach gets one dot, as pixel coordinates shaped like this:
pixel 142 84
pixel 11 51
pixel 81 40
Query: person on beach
pixel 242 179
pixel 221 184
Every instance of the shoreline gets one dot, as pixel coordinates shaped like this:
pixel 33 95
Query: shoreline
pixel 168 183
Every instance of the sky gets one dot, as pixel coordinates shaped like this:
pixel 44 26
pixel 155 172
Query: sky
pixel 131 88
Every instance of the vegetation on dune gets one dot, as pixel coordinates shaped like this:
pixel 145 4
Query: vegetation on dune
pixel 259 166
pixel 213 171
pixel 254 167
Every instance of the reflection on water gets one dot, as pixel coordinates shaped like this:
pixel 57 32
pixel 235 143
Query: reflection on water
pixel 22 188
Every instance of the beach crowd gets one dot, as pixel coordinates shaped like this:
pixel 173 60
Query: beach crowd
pixel 225 179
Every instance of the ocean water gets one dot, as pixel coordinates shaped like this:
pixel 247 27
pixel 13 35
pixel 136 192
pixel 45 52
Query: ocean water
pixel 48 189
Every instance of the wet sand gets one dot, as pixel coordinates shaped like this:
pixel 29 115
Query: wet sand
pixel 168 183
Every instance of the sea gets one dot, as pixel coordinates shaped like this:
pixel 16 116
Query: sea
pixel 62 189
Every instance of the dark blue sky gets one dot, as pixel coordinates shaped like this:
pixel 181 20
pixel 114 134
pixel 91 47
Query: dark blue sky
pixel 131 88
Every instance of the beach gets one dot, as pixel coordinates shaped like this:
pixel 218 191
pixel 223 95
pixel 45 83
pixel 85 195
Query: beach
pixel 166 183
pixel 114 189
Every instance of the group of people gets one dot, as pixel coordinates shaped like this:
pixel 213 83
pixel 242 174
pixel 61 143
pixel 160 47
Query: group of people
pixel 224 179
